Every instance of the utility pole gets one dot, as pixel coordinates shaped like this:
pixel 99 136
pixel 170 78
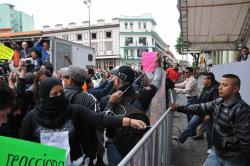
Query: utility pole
pixel 88 4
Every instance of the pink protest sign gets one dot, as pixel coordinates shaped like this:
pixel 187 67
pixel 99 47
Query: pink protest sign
pixel 148 59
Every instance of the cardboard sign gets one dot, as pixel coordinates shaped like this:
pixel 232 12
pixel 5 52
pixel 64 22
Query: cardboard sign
pixel 19 152
pixel 148 59
pixel 6 52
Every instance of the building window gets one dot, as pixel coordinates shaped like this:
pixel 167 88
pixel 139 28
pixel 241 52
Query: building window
pixel 79 36
pixel 126 25
pixel 144 25
pixel 98 64
pixel 139 25
pixel 128 41
pixel 128 53
pixel 131 25
pixel 93 35
pixel 109 64
pixel 108 45
pixel 140 51
pixel 101 46
pixel 142 40
pixel 86 35
pixel 65 36
pixel 100 35
pixel 108 34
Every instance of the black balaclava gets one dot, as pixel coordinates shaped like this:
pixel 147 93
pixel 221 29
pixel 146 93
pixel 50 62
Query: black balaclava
pixel 52 111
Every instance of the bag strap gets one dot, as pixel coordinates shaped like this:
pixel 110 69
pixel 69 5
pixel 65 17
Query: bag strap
pixel 72 97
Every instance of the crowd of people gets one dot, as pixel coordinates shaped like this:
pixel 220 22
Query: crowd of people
pixel 72 105
pixel 84 106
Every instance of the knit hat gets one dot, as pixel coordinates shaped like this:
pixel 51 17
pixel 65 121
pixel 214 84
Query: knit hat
pixel 47 85
pixel 126 73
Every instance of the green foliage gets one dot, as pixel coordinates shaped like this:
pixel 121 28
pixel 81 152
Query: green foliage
pixel 178 45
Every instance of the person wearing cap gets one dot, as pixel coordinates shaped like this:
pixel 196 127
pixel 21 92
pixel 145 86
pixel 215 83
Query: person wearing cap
pixel 58 123
pixel 125 102
pixel 73 79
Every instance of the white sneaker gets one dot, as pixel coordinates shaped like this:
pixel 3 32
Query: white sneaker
pixel 209 151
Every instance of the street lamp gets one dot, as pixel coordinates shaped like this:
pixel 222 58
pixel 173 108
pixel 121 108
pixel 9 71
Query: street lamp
pixel 88 4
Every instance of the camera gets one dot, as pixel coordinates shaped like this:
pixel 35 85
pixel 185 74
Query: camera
pixel 28 61
pixel 30 67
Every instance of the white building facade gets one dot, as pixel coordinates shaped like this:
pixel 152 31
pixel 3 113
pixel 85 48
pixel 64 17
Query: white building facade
pixel 137 35
pixel 104 39
pixel 118 43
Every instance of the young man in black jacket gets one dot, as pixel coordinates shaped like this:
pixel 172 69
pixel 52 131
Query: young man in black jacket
pixel 231 127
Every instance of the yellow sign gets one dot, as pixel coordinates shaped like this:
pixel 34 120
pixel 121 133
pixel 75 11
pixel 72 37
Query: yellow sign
pixel 6 52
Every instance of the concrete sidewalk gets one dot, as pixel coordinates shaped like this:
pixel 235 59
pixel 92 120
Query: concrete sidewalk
pixel 191 153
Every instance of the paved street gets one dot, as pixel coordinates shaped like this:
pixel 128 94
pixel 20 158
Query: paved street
pixel 191 153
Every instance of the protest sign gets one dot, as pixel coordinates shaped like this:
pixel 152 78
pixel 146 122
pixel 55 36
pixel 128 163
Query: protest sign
pixel 6 52
pixel 148 59
pixel 20 152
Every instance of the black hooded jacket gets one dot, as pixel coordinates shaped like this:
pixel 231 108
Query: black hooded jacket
pixel 55 114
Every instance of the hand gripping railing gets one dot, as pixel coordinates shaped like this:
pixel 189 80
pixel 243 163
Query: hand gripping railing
pixel 154 148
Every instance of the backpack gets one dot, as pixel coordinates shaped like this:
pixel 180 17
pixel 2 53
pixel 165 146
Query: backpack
pixel 89 147
pixel 125 138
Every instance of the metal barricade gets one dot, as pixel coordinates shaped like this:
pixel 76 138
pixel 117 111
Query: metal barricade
pixel 155 146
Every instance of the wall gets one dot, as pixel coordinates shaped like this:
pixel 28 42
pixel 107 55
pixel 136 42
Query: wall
pixel 27 22
pixel 4 16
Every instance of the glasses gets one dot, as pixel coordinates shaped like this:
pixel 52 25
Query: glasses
pixel 186 72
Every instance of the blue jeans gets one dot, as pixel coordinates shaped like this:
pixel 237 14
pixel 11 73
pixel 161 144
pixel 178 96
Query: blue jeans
pixel 214 160
pixel 114 157
pixel 208 127
pixel 191 128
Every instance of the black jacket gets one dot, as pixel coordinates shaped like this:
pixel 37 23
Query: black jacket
pixel 231 128
pixel 209 93
pixel 75 95
pixel 133 106
pixel 78 119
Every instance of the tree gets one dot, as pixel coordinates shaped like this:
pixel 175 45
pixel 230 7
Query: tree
pixel 178 45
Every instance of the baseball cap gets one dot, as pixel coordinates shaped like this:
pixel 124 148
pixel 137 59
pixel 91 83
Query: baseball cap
pixel 126 73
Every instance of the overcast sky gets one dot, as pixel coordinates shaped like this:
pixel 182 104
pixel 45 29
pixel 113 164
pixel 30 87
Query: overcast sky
pixel 51 12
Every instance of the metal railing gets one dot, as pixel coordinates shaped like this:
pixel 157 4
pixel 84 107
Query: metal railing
pixel 155 146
